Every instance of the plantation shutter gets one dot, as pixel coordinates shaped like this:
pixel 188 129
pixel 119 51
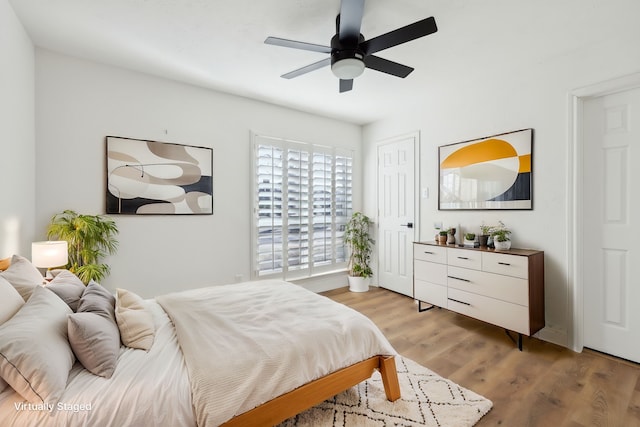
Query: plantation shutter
pixel 303 199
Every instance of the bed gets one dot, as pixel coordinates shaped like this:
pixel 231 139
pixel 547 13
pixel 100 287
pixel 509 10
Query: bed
pixel 254 353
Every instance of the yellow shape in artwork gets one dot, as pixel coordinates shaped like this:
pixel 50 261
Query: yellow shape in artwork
pixel 525 163
pixel 485 151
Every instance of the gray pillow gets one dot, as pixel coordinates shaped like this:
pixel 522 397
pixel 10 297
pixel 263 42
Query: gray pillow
pixel 98 300
pixel 95 340
pixel 68 287
pixel 23 275
pixel 35 357
pixel 10 301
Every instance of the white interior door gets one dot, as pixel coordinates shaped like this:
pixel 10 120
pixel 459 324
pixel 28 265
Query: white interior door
pixel 396 214
pixel 611 223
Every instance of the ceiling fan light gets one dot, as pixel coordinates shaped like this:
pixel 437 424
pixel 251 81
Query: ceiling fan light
pixel 348 68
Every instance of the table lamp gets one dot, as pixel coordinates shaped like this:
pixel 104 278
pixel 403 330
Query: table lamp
pixel 49 254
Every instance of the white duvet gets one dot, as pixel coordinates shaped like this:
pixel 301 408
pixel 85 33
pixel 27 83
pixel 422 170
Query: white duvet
pixel 233 348
pixel 248 343
pixel 146 389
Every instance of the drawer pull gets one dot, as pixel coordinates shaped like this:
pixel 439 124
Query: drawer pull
pixel 427 252
pixel 459 278
pixel 462 257
pixel 459 302
pixel 504 263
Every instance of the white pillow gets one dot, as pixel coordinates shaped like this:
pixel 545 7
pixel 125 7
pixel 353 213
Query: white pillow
pixel 35 357
pixel 23 275
pixel 10 301
pixel 134 321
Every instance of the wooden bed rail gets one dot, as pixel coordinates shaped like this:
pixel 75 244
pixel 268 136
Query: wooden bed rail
pixel 315 392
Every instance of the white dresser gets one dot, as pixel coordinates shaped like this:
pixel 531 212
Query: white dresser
pixel 504 288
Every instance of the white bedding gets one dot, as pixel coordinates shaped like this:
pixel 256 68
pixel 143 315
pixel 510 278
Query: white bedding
pixel 233 348
pixel 248 343
pixel 146 389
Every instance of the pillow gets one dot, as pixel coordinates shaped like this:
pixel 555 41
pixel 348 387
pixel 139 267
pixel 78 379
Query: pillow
pixel 68 287
pixel 35 357
pixel 23 275
pixel 5 263
pixel 11 301
pixel 98 300
pixel 134 321
pixel 95 340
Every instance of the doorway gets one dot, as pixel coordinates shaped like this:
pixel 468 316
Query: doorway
pixel 608 226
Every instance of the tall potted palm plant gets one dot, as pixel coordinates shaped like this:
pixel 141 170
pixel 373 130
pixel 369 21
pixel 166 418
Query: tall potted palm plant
pixel 359 242
pixel 89 238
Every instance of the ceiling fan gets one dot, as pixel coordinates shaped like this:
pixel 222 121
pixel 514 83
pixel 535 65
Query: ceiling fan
pixel 350 53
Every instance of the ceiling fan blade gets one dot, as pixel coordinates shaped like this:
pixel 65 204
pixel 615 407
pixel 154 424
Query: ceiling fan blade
pixel 350 19
pixel 307 69
pixel 401 35
pixel 346 85
pixel 276 41
pixel 386 66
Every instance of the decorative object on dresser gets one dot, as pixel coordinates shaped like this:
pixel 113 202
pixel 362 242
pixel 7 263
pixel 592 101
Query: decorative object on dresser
pixel 89 238
pixel 487 173
pixel 483 239
pixel 469 239
pixel 502 288
pixel 501 237
pixel 451 239
pixel 442 237
pixel 359 241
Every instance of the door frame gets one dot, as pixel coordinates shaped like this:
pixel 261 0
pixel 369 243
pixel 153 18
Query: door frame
pixel 416 187
pixel 575 192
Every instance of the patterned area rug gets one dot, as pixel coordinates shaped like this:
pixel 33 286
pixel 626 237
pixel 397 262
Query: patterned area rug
pixel 427 400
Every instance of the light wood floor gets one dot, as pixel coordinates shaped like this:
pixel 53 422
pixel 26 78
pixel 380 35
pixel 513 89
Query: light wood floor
pixel 544 385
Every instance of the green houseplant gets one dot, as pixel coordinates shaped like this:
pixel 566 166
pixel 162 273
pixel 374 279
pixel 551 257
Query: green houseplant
pixel 484 237
pixel 501 237
pixel 359 242
pixel 90 238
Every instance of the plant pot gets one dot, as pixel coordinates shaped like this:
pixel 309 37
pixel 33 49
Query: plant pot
pixel 359 284
pixel 502 246
pixel 442 239
pixel 484 240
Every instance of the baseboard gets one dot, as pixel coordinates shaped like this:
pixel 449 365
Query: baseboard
pixel 554 335
pixel 324 283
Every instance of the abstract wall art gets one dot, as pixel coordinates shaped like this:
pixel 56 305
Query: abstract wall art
pixel 494 172
pixel 152 177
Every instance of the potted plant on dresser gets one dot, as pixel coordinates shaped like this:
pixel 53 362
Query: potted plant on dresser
pixel 501 237
pixel 358 240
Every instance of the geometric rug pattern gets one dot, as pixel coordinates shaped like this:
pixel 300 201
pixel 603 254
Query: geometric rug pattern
pixel 427 400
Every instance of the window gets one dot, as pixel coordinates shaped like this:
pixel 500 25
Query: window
pixel 302 201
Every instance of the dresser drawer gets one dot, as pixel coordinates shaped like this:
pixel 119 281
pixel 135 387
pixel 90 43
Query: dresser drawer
pixel 430 292
pixel 464 258
pixel 511 265
pixel 430 272
pixel 500 313
pixel 505 288
pixel 430 253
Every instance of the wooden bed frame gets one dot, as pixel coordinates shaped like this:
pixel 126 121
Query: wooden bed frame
pixel 289 404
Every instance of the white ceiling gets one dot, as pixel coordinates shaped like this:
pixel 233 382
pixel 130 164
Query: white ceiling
pixel 219 44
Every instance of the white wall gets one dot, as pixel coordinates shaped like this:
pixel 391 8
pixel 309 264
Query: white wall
pixel 17 141
pixel 535 96
pixel 80 102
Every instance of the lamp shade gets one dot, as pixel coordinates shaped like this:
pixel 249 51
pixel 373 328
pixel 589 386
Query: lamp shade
pixel 49 254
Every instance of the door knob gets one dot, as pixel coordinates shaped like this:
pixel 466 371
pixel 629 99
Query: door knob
pixel 408 225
